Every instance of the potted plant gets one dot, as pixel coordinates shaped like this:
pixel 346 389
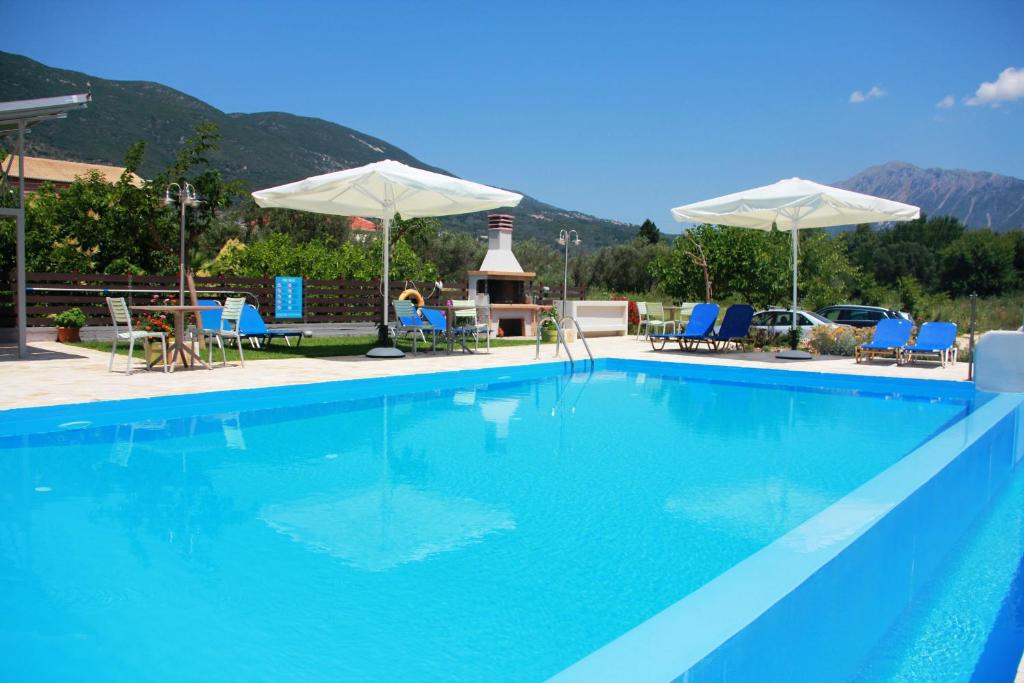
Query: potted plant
pixel 69 324
pixel 548 330
pixel 160 321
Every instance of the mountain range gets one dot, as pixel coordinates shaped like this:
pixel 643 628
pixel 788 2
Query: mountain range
pixel 977 198
pixel 264 149
pixel 271 148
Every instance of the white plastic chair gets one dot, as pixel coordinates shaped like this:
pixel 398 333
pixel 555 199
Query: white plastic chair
pixel 229 329
pixel 120 314
pixel 467 313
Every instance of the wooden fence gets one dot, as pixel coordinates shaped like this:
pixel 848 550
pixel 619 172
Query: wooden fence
pixel 324 301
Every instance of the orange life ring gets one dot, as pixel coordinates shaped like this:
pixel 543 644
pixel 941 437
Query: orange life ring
pixel 414 295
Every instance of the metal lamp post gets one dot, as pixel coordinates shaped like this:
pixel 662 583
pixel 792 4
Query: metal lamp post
pixel 565 237
pixel 184 195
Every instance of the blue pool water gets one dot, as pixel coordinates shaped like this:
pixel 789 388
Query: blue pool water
pixel 967 624
pixel 490 531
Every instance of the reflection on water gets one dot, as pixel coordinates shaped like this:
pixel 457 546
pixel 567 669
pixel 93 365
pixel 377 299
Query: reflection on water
pixel 380 528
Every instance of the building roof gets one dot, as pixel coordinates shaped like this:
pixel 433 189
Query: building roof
pixel 58 171
pixel 357 223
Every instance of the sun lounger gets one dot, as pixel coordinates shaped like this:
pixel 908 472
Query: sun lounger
pixel 253 327
pixel 937 339
pixel 699 328
pixel 735 326
pixel 438 322
pixel 408 322
pixel 891 335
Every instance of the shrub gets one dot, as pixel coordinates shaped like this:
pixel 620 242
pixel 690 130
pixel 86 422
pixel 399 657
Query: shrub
pixel 761 339
pixel 73 317
pixel 838 341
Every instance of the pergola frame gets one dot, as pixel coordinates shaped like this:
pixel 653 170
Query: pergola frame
pixel 16 118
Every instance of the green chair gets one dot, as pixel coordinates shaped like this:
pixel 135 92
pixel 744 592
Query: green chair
pixel 682 313
pixel 120 314
pixel 229 328
pixel 652 318
pixel 467 322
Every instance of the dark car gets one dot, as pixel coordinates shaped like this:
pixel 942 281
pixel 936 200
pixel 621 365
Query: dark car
pixel 859 316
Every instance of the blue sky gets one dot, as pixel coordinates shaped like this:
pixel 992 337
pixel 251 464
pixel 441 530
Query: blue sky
pixel 621 109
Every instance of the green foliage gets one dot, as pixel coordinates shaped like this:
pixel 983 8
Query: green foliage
pixel 979 262
pixel 73 317
pixel 793 337
pixel 541 258
pixel 621 268
pixel 649 232
pixel 192 165
pixel 826 275
pixel 452 253
pixel 748 264
pixel 280 254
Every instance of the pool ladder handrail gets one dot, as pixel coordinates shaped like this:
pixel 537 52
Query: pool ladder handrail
pixel 561 339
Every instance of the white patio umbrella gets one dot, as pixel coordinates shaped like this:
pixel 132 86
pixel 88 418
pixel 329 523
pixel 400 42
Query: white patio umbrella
pixel 793 205
pixel 381 190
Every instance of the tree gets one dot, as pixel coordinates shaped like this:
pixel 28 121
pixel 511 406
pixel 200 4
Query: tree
pixel 649 231
pixel 749 264
pixel 538 257
pixel 979 261
pixel 624 268
pixel 695 251
pixel 192 165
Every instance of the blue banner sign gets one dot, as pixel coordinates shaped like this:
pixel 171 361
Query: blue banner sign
pixel 287 297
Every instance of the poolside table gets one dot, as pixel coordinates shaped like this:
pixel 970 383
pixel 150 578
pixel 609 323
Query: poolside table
pixel 181 354
pixel 450 336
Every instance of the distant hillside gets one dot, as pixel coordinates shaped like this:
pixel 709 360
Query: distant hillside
pixel 265 149
pixel 978 199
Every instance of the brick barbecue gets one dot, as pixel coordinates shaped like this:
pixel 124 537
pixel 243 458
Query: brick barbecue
pixel 504 283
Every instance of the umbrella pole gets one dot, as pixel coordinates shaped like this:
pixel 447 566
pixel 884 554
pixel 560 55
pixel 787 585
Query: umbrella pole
pixel 794 353
pixel 386 236
pixel 382 350
pixel 796 249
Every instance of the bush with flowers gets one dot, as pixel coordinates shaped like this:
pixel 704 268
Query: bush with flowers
pixel 158 321
pixel 634 312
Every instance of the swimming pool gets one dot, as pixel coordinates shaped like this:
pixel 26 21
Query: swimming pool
pixel 506 524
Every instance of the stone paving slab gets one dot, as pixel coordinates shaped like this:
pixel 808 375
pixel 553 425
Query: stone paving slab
pixel 59 374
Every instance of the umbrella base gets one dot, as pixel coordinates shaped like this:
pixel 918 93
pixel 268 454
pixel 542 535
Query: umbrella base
pixel 793 355
pixel 385 352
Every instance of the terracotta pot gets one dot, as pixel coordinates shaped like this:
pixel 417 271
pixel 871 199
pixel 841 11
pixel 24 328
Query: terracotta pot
pixel 68 334
pixel 155 355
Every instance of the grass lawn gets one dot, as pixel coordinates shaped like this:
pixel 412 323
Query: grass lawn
pixel 312 347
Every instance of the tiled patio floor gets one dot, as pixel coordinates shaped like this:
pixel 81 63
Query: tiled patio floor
pixel 61 374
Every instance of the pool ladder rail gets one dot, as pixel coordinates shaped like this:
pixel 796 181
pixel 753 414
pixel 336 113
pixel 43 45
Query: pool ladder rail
pixel 561 340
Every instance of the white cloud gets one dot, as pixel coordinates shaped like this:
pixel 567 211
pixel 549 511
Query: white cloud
pixel 1008 87
pixel 947 102
pixel 856 97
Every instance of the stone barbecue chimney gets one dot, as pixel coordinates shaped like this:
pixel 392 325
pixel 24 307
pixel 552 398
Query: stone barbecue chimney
pixel 499 258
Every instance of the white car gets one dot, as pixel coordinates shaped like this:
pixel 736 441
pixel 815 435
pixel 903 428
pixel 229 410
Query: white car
pixel 779 320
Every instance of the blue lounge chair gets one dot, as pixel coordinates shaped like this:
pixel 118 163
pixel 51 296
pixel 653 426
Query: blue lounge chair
pixel 938 339
pixel 735 326
pixel 891 335
pixel 438 322
pixel 408 321
pixel 699 328
pixel 253 327
pixel 210 320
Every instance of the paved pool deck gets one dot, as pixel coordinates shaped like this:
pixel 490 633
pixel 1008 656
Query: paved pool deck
pixel 59 374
